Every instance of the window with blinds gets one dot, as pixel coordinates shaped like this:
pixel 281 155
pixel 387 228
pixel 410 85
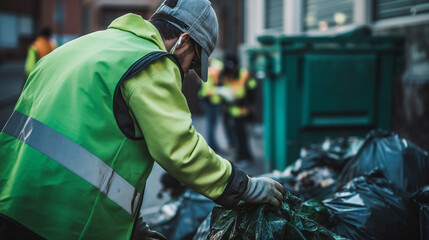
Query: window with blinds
pixel 274 14
pixel 385 9
pixel 324 14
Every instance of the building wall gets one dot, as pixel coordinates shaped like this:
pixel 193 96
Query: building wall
pixel 19 6
pixel 21 20
pixel 411 103
pixel 99 13
pixel 17 27
pixel 65 21
pixel 72 16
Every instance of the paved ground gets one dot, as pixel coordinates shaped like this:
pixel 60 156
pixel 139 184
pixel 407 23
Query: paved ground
pixel 11 81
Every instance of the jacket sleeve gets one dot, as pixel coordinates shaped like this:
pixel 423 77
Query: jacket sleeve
pixel 162 115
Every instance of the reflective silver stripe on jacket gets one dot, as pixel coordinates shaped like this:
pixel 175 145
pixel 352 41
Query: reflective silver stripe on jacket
pixel 75 158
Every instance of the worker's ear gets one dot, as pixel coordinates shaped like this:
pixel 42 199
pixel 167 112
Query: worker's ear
pixel 183 40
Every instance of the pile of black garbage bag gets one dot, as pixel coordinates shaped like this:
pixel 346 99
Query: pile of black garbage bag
pixel 367 207
pixel 401 161
pixel 315 173
pixel 180 218
pixel 381 193
pixel 351 188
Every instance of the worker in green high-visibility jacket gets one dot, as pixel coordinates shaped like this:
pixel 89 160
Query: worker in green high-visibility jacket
pixel 41 47
pixel 237 110
pixel 93 117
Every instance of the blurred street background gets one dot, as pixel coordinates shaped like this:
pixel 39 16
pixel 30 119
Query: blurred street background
pixel 383 45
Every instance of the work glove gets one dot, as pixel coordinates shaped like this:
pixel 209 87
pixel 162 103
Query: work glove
pixel 143 232
pixel 264 190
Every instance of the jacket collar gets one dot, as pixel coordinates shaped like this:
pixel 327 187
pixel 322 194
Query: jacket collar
pixel 137 25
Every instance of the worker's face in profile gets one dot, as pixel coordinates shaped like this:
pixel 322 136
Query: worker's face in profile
pixel 186 51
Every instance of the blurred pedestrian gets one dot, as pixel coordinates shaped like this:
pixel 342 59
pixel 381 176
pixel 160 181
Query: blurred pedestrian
pixel 39 48
pixel 211 101
pixel 237 110
pixel 94 116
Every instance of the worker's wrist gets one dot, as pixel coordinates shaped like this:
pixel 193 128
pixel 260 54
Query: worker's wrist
pixel 237 185
pixel 248 188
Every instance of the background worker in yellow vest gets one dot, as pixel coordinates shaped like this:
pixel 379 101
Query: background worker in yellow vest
pixel 211 101
pixel 94 116
pixel 39 48
pixel 237 110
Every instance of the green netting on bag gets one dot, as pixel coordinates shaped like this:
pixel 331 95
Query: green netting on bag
pixel 254 221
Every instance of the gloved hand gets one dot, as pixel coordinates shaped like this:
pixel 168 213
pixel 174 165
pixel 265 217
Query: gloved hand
pixel 264 190
pixel 143 232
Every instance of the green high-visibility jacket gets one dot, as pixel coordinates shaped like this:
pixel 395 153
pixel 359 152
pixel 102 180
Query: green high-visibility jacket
pixel 240 88
pixel 30 60
pixel 92 118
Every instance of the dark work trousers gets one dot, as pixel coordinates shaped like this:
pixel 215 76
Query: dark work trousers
pixel 211 112
pixel 243 152
pixel 228 123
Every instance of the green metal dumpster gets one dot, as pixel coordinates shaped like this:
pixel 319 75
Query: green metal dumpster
pixel 319 87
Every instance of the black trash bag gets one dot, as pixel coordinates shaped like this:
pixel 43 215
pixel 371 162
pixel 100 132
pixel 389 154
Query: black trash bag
pixel 171 186
pixel 203 229
pixel 316 182
pixel 333 153
pixel 401 161
pixel 180 219
pixel 315 173
pixel 315 210
pixel 421 197
pixel 256 221
pixel 372 208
